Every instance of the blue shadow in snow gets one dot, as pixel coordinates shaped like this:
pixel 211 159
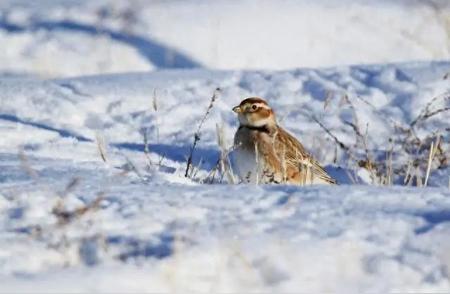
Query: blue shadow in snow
pixel 135 248
pixel 341 175
pixel 208 157
pixel 61 132
pixel 157 53
pixel 433 218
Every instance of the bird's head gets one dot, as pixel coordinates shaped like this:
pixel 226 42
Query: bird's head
pixel 255 112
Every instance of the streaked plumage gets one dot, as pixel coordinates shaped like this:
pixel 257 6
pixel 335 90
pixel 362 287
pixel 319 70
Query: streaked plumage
pixel 266 153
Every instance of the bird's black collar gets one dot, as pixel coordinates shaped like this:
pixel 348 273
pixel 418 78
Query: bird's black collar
pixel 264 128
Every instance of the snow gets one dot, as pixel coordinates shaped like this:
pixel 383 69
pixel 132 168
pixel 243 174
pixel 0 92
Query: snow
pixel 239 237
pixel 73 222
pixel 152 227
pixel 105 36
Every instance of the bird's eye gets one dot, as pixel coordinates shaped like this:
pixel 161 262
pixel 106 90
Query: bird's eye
pixel 254 107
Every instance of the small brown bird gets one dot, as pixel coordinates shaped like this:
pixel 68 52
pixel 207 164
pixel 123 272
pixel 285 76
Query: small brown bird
pixel 266 153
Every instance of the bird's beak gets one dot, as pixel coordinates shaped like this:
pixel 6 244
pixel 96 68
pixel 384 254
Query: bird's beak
pixel 237 109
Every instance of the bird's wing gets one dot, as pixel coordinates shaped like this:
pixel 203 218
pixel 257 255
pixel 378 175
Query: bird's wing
pixel 296 155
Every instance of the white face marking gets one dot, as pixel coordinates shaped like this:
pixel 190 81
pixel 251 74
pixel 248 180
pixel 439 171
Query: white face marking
pixel 261 122
pixel 248 107
pixel 262 105
pixel 248 117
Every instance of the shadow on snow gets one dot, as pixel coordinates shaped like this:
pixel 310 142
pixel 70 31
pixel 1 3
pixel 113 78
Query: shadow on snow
pixel 157 53
pixel 61 132
pixel 433 218
pixel 208 157
pixel 135 248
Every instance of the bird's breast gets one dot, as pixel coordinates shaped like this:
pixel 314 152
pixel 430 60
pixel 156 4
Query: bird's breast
pixel 247 161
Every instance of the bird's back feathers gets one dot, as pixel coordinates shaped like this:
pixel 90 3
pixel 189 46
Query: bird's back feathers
pixel 283 157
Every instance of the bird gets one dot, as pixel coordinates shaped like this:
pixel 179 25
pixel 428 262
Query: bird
pixel 265 153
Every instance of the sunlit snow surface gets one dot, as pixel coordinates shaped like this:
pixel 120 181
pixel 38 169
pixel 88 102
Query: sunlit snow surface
pixel 75 37
pixel 70 222
pixel 154 230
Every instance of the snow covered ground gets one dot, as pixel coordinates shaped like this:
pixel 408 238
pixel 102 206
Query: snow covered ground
pixel 152 227
pixel 73 222
pixel 74 37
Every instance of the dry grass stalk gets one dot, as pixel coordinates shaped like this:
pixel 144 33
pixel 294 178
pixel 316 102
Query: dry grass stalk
pixel 56 236
pixel 224 160
pixel 430 159
pixel 407 177
pixel 382 171
pixel 351 176
pixel 196 169
pixel 212 174
pixel 419 182
pixel 197 133
pixel 155 107
pixel 101 146
pixel 361 139
pixel 328 131
pixel 145 133
pixel 64 217
pixel 130 166
pixel 71 186
pixel 431 156
pixel 389 169
pixel 26 166
pixel 147 149
pixel 328 98
pixel 426 112
pixel 257 164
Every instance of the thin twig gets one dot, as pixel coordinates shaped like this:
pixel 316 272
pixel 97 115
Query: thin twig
pixel 342 145
pixel 64 216
pixel 71 186
pixel 225 164
pixel 132 167
pixel 425 113
pixel 430 159
pixel 155 107
pixel 26 166
pixel 389 169
pixel 257 164
pixel 197 133
pixel 433 150
pixel 101 146
pixel 216 167
pixel 146 148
